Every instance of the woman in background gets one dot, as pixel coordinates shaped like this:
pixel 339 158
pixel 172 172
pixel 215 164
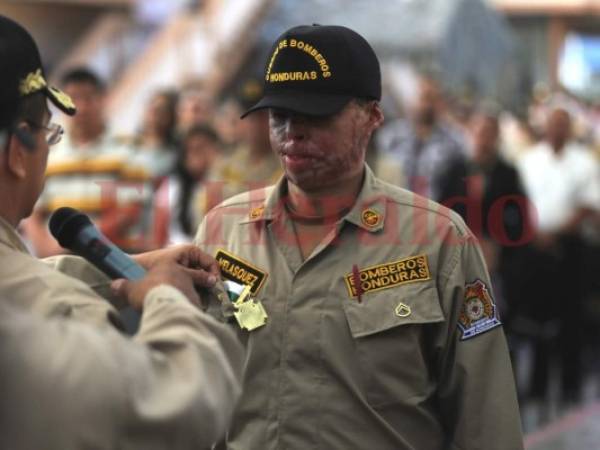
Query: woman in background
pixel 175 218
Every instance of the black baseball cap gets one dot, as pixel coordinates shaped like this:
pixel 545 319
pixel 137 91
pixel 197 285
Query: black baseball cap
pixel 317 69
pixel 22 73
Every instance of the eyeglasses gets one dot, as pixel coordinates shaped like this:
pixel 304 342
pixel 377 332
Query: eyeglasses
pixel 54 132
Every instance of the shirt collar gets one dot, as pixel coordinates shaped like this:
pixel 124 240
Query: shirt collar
pixel 268 207
pixel 368 211
pixel 10 237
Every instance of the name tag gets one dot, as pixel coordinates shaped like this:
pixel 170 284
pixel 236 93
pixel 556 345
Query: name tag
pixel 236 269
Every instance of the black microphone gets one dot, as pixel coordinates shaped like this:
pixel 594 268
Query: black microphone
pixel 75 231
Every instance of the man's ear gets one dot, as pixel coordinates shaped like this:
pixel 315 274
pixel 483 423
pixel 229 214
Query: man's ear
pixel 376 115
pixel 17 150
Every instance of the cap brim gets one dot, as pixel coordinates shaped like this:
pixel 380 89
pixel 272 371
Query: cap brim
pixel 310 104
pixel 61 100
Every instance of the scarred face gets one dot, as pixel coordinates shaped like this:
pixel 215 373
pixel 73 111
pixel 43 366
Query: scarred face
pixel 318 153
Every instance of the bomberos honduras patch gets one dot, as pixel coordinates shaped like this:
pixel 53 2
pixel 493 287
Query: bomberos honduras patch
pixel 479 313
pixel 236 269
pixel 388 275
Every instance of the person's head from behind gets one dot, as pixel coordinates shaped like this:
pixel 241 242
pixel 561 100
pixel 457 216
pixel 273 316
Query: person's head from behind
pixel 159 117
pixel 322 86
pixel 25 128
pixel 484 130
pixel 558 128
pixel 200 149
pixel 87 91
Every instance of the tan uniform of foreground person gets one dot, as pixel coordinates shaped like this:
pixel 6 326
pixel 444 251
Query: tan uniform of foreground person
pixel 380 329
pixel 68 385
pixel 71 385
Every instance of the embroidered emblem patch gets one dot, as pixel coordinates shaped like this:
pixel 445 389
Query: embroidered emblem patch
pixel 388 275
pixel 370 218
pixel 236 269
pixel 479 312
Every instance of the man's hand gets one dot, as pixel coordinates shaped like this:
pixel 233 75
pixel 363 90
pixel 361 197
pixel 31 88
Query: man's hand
pixel 171 274
pixel 202 267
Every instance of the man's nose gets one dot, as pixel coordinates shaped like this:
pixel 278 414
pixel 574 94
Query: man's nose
pixel 295 127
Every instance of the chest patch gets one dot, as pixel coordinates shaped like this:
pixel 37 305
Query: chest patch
pixel 388 275
pixel 236 269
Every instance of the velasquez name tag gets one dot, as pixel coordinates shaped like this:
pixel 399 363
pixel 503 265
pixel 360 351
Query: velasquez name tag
pixel 236 269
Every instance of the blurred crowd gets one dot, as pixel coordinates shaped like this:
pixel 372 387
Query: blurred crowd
pixel 152 189
pixel 528 186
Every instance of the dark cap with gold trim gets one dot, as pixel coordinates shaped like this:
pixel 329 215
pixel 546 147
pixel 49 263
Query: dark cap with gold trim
pixel 317 69
pixel 22 73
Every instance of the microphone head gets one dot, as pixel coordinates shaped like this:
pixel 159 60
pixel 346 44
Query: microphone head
pixel 65 223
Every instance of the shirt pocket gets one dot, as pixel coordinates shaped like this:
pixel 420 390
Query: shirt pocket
pixel 389 328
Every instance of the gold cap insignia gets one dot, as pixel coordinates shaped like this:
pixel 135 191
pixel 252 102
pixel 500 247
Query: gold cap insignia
pixel 33 82
pixel 371 218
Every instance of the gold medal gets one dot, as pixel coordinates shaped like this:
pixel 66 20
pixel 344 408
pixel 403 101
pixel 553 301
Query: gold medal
pixel 249 312
pixel 250 315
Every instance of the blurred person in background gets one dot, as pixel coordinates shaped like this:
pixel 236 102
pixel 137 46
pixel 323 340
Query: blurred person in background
pixel 423 144
pixel 176 195
pixel 194 107
pixel 562 179
pixel 227 124
pixel 70 379
pixel 91 171
pixel 488 194
pixel 252 164
pixel 155 145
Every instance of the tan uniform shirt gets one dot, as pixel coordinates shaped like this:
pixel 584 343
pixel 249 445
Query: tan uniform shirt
pixel 36 286
pixel 71 386
pixel 420 362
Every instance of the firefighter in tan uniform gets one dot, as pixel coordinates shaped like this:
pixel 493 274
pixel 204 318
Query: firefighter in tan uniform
pixel 70 380
pixel 367 312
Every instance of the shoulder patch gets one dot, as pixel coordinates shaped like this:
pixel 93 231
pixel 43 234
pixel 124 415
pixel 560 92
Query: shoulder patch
pixel 236 269
pixel 479 313
pixel 388 275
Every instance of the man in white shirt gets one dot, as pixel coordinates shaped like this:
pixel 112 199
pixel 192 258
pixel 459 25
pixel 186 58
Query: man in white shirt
pixel 562 179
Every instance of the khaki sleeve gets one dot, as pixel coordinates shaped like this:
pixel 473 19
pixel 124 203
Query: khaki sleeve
pixel 173 386
pixel 81 269
pixel 196 367
pixel 477 394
